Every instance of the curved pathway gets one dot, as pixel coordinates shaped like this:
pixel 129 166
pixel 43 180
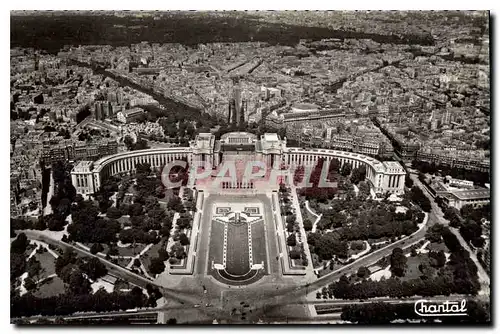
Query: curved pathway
pixel 318 217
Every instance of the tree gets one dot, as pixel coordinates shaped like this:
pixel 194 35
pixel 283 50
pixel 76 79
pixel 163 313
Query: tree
pixel 135 209
pixel 437 259
pixel 29 284
pixel 291 240
pixel 128 236
pixel 19 244
pixel 40 224
pixel 434 232
pixel 358 174
pixel 364 189
pixel 17 265
pixel 175 204
pixel 55 222
pixel 363 272
pixel 328 245
pixel 346 169
pixel 88 227
pixel 165 229
pixel 163 254
pixel 156 266
pixel 177 251
pixel 334 166
pixel 151 203
pixel 63 209
pixel 453 215
pixel 137 263
pixel 426 270
pixel 33 267
pixel 129 142
pixel 398 262
pixel 94 268
pixel 418 196
pixel 113 213
pixel 78 284
pixel 294 254
pixel 184 222
pixel 307 224
pixel 183 239
pixel 471 232
pixel 96 248
pixel 408 181
pixel 68 257
pixel 357 245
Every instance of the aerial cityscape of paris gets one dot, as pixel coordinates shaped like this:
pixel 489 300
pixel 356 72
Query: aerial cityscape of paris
pixel 250 167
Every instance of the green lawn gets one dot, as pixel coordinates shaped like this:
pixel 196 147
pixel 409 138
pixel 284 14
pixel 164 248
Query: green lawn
pixel 307 215
pixel 47 261
pixel 120 284
pixel 237 255
pixel 52 287
pixel 216 243
pixel 412 270
pixel 123 251
pixel 121 262
pixel 326 271
pixel 29 249
pixel 351 252
pixel 259 243
pixel 131 251
pixel 436 247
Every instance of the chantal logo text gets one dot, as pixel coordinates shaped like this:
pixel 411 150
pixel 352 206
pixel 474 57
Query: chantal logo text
pixel 429 308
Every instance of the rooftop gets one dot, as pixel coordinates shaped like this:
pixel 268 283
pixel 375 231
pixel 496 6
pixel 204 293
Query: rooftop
pixel 133 111
pixel 392 164
pixel 270 137
pixel 304 106
pixel 83 166
pixel 204 136
pixel 238 138
pixel 472 194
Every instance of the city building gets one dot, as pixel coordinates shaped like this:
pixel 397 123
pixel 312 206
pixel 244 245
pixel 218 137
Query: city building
pixel 69 150
pixel 102 110
pixel 81 178
pixel 459 198
pixel 466 160
pixel 387 176
pixel 459 183
pixel 130 115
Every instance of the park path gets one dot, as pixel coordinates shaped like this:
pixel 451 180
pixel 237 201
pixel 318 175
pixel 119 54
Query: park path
pixel 318 217
pixel 132 259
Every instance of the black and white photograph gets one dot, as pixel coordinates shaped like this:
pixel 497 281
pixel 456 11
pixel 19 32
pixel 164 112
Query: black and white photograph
pixel 274 167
